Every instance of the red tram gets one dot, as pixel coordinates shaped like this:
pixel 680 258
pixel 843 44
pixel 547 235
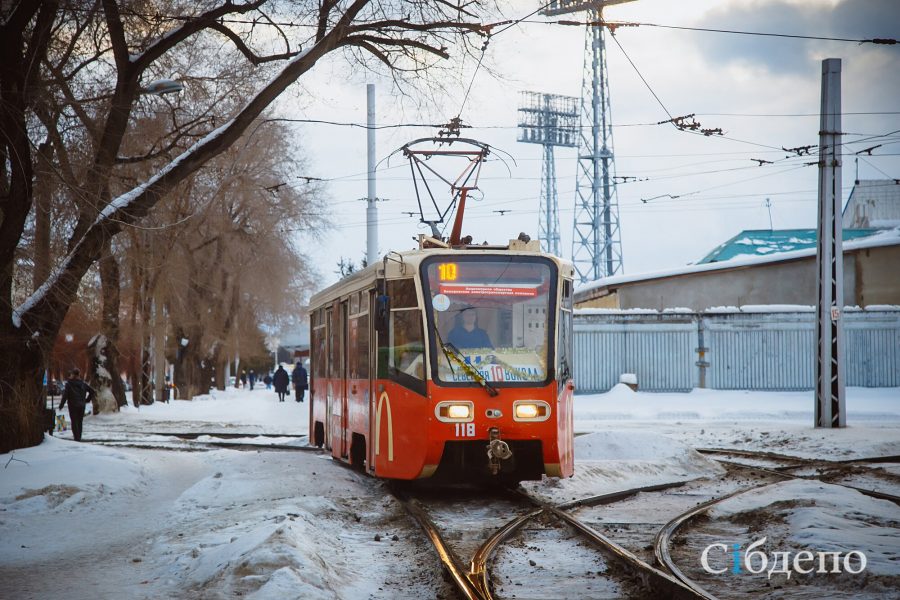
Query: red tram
pixel 450 362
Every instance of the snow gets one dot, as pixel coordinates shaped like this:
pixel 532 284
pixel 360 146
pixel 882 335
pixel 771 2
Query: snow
pixel 628 378
pixel 828 521
pixel 773 421
pixel 295 524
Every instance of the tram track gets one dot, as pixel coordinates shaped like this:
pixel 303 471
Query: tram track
pixel 629 575
pixel 666 535
pixel 833 472
pixel 196 441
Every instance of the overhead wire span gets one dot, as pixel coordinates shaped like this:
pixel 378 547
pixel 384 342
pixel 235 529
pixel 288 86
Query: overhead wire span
pixel 613 25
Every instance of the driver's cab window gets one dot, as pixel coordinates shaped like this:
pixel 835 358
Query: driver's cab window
pixel 493 315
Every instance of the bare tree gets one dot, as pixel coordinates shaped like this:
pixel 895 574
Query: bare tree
pixel 125 42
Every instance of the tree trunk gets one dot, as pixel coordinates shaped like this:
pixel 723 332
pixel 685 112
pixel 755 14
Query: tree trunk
pixel 42 202
pixel 143 394
pixel 159 346
pixel 110 284
pixel 23 416
pixel 101 377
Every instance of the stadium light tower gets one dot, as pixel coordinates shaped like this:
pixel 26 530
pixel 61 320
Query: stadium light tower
pixel 596 243
pixel 550 120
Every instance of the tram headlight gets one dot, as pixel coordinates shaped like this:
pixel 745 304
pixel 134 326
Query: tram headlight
pixel 458 411
pixel 455 412
pixel 531 410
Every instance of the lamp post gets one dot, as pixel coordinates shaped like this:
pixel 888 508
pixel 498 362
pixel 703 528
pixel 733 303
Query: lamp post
pixel 162 86
pixel 272 343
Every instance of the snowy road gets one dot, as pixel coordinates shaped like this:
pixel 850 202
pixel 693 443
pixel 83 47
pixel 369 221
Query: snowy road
pixel 88 521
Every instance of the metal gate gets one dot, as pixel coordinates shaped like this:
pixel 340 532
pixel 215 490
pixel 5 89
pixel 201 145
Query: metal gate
pixel 728 350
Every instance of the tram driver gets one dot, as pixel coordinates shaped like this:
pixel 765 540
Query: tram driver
pixel 466 333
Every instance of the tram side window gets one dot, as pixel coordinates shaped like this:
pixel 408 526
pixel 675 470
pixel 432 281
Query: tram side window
pixel 318 344
pixel 401 353
pixel 402 293
pixel 334 346
pixel 359 347
pixel 564 344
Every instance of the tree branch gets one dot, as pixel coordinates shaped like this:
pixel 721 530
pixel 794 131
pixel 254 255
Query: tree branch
pixel 189 28
pixel 254 58
pixel 354 40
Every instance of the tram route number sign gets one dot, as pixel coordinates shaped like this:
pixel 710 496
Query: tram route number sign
pixel 527 291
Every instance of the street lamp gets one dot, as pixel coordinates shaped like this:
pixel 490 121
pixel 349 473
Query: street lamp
pixel 272 343
pixel 162 86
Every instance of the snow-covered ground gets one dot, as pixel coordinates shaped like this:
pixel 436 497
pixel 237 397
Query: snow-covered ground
pixel 91 521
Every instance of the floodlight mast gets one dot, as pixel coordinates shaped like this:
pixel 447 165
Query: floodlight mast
pixel 550 120
pixel 596 243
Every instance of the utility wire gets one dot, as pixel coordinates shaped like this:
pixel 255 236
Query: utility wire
pixel 613 25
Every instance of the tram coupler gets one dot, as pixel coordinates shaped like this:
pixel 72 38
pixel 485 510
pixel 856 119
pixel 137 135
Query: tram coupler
pixel 497 450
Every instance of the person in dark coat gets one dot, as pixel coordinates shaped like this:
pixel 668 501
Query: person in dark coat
pixel 301 381
pixel 467 333
pixel 252 378
pixel 77 393
pixel 243 379
pixel 281 380
pixel 268 381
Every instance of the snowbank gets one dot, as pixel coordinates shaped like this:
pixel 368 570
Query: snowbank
pixel 823 517
pixel 58 474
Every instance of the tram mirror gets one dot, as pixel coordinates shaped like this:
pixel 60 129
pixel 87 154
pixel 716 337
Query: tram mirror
pixel 382 312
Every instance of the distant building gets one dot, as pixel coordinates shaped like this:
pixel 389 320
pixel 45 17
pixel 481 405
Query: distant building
pixel 765 242
pixel 873 203
pixel 775 266
pixel 871 277
pixel 294 342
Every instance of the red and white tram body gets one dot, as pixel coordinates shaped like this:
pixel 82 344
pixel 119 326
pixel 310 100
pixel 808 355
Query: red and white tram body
pixel 445 362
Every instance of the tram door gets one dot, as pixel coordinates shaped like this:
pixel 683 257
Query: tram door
pixel 329 373
pixel 344 393
pixel 338 374
pixel 373 376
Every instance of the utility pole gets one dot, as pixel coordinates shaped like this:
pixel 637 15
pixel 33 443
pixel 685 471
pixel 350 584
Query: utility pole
pixel 769 207
pixel 830 402
pixel 371 209
pixel 596 240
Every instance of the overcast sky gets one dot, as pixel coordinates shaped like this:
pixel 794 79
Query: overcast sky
pixel 763 92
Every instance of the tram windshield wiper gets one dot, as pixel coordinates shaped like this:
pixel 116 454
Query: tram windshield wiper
pixel 453 355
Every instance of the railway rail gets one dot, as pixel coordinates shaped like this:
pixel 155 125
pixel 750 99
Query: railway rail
pixel 665 536
pixel 474 580
pixel 196 441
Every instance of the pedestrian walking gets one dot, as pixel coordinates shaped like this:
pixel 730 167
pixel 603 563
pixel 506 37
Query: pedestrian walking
pixel 268 380
pixel 77 393
pixel 281 380
pixel 252 378
pixel 300 380
pixel 244 379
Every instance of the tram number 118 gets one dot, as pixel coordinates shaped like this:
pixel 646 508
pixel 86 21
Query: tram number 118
pixel 465 430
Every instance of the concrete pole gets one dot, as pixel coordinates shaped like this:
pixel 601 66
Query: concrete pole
pixel 371 209
pixel 830 402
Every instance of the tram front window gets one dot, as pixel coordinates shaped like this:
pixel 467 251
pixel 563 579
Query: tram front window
pixel 493 314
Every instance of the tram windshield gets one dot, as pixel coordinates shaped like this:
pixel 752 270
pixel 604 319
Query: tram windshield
pixel 493 314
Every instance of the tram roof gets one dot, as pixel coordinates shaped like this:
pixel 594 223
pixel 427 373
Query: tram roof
pixel 411 259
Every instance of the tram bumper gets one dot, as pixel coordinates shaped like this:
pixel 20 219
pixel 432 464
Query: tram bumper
pixel 475 460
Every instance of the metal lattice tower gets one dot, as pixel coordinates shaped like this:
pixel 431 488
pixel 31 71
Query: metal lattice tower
pixel 596 243
pixel 550 120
